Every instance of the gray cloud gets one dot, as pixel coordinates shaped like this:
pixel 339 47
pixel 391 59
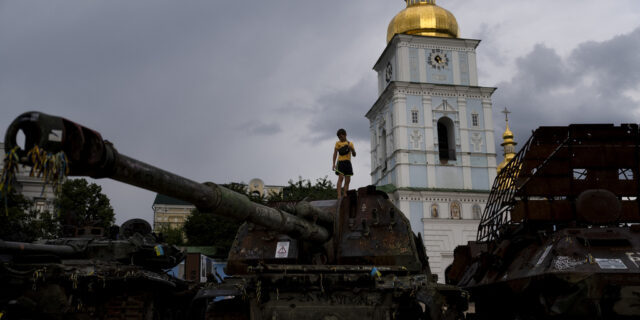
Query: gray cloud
pixel 345 109
pixel 211 90
pixel 260 128
pixel 588 86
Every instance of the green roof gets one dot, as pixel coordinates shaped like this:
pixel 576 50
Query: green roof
pixel 388 188
pixel 162 199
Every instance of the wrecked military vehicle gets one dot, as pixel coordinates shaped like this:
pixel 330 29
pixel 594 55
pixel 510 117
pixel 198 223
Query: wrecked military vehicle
pixel 92 276
pixel 351 258
pixel 559 237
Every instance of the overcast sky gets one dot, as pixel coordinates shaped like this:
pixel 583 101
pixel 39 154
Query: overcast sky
pixel 227 91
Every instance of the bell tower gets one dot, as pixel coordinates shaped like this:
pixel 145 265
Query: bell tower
pixel 432 137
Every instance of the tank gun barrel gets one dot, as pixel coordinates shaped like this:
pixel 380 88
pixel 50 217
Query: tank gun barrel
pixel 62 250
pixel 89 155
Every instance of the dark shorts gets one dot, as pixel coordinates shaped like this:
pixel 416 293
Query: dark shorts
pixel 344 168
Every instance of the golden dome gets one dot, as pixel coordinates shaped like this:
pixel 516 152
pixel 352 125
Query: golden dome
pixel 424 18
pixel 507 135
pixel 508 143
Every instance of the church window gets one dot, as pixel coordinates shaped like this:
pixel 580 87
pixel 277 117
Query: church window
pixel 474 119
pixel 414 116
pixel 446 139
pixel 40 205
pixel 477 212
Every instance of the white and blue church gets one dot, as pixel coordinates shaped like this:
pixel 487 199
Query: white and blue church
pixel 432 136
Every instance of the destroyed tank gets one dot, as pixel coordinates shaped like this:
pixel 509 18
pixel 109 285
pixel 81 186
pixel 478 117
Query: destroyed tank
pixel 352 258
pixel 91 276
pixel 559 237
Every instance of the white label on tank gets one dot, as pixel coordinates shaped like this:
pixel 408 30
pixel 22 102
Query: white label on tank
pixel 544 254
pixel 611 263
pixel 55 135
pixel 282 250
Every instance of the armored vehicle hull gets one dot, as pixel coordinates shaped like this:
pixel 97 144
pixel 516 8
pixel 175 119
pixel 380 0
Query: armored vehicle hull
pixel 91 278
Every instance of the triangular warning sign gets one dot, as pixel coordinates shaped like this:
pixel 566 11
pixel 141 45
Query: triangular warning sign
pixel 282 249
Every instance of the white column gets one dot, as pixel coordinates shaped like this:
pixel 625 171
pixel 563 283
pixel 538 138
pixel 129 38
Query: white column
pixel 402 61
pixel 428 138
pixel 455 63
pixel 422 65
pixel 464 143
pixel 400 137
pixel 473 70
pixel 488 125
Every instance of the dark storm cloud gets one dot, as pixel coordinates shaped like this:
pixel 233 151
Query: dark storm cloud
pixel 212 89
pixel 195 87
pixel 588 86
pixel 345 109
pixel 490 52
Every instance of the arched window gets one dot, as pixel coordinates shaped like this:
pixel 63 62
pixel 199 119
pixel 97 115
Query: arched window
pixel 446 139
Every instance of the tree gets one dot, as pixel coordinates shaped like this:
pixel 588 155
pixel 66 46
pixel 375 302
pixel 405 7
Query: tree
pixel 79 203
pixel 20 222
pixel 323 189
pixel 203 229
pixel 173 236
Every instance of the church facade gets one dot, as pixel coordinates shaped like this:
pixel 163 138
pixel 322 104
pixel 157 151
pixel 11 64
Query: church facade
pixel 432 136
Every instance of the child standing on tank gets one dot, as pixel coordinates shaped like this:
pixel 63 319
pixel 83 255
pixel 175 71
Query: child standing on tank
pixel 343 151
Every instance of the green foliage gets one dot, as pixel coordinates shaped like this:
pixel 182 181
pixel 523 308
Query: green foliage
pixel 242 189
pixel 323 189
pixel 20 222
pixel 204 229
pixel 209 230
pixel 79 203
pixel 173 236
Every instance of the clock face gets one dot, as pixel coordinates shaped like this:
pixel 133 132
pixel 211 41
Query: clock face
pixel 388 72
pixel 438 59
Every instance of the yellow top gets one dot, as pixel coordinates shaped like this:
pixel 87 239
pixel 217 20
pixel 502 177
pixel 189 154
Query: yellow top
pixel 424 18
pixel 508 144
pixel 340 144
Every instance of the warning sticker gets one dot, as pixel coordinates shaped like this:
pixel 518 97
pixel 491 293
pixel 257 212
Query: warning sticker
pixel 282 250
pixel 55 135
pixel 611 263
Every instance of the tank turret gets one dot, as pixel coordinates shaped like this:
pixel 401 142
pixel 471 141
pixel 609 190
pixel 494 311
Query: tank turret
pixel 355 257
